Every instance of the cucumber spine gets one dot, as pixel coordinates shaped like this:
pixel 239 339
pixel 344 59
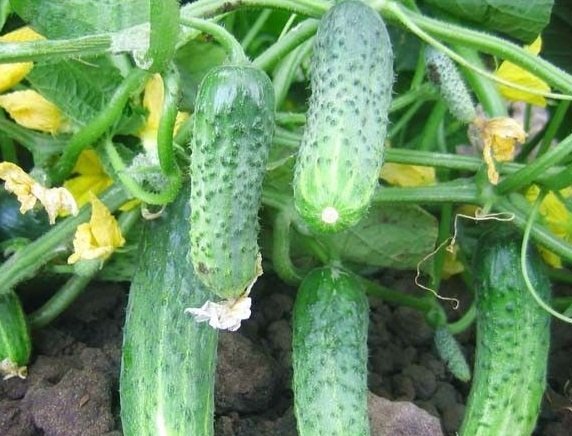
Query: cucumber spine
pixel 330 355
pixel 513 336
pixel 233 127
pixel 168 361
pixel 342 147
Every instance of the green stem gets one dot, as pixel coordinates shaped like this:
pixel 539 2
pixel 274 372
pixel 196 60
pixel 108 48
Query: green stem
pixel 286 70
pixel 553 126
pixel 163 34
pixel 404 119
pixel 530 172
pixel 389 295
pixel 540 234
pixel 483 42
pixel 286 118
pixel 524 266
pixel 24 263
pixel 464 322
pixel 255 29
pixel 444 233
pixel 485 89
pixel 562 303
pixel 559 181
pixel 281 249
pixel 453 192
pixel 560 275
pixel 222 36
pixel 429 134
pixel 210 8
pixel 299 34
pixel 7 149
pixel 51 50
pixel 67 294
pixel 89 134
pixel 167 122
pixel 167 195
pixel 419 73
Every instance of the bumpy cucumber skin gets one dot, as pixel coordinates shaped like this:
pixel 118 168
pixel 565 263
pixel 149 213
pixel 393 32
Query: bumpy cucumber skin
pixel 330 355
pixel 450 352
pixel 513 335
pixel 168 362
pixel 341 152
pixel 233 127
pixel 15 343
pixel 442 72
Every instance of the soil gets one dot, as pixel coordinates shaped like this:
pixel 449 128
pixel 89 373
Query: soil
pixel 72 387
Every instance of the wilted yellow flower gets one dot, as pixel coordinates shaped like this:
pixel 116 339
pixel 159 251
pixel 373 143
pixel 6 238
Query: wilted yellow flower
pixel 515 74
pixel 557 218
pixel 451 264
pixel 9 369
pixel 12 74
pixel 407 175
pixel 28 192
pixel 153 101
pixel 31 110
pixel 498 138
pixel 98 238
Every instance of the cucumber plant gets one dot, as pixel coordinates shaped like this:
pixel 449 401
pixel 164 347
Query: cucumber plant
pixel 276 163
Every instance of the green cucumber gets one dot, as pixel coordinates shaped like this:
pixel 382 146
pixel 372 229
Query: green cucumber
pixel 233 127
pixel 341 153
pixel 450 352
pixel 14 224
pixel 444 74
pixel 513 335
pixel 330 355
pixel 168 362
pixel 15 343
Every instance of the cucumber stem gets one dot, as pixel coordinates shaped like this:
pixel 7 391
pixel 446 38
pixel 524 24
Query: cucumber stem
pixel 464 322
pixel 222 36
pixel 553 126
pixel 67 294
pixel 167 122
pixel 90 133
pixel 281 249
pixel 255 29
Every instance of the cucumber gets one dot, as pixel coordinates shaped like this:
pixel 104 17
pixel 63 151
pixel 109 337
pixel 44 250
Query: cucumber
pixel 450 352
pixel 233 127
pixel 330 355
pixel 168 361
pixel 14 224
pixel 15 343
pixel 444 74
pixel 341 153
pixel 513 335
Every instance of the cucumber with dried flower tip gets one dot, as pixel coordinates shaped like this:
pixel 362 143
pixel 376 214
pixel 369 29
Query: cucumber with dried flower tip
pixel 513 336
pixel 232 133
pixel 330 322
pixel 15 343
pixel 444 74
pixel 168 361
pixel 341 153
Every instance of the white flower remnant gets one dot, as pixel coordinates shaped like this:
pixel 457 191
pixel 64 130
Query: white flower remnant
pixel 9 369
pixel 226 315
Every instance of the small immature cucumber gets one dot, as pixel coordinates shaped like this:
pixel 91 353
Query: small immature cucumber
pixel 330 355
pixel 450 352
pixel 513 335
pixel 233 127
pixel 444 74
pixel 168 362
pixel 342 148
pixel 15 343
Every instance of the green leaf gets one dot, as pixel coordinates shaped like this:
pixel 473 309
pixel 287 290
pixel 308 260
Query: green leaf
pixel 523 20
pixel 392 236
pixel 60 19
pixel 559 29
pixel 193 61
pixel 80 89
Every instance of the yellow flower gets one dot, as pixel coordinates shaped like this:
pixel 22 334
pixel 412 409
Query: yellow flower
pixel 31 110
pixel 90 178
pixel 28 192
pixel 407 175
pixel 512 73
pixel 557 218
pixel 497 137
pixel 12 74
pixel 153 101
pixel 98 238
